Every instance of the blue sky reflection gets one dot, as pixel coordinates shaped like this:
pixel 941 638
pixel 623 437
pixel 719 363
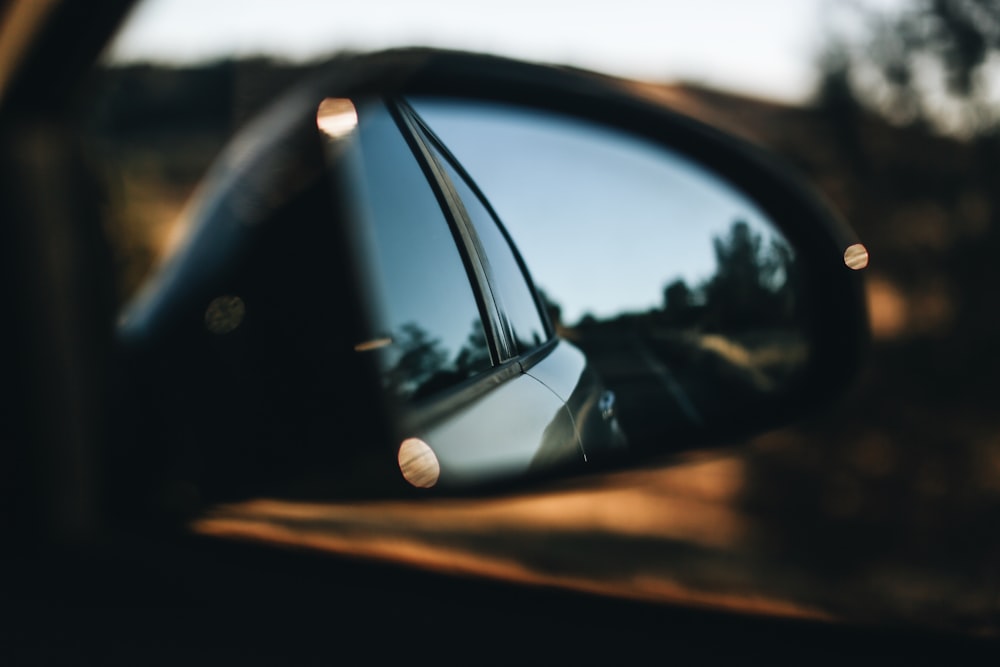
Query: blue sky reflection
pixel 603 220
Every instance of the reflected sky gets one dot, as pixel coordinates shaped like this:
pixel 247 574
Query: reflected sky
pixel 603 220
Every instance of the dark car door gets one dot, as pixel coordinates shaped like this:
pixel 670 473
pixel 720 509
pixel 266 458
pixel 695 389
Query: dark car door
pixel 455 324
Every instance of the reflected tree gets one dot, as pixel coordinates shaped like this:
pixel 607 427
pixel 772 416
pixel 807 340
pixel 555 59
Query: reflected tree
pixel 474 356
pixel 423 365
pixel 753 286
pixel 678 298
pixel 750 287
pixel 420 357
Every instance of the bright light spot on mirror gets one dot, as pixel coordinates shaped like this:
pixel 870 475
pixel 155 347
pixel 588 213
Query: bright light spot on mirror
pixel 336 117
pixel 856 256
pixel 418 463
pixel 224 314
pixel 375 344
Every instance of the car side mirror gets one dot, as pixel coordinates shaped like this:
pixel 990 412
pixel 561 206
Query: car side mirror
pixel 436 270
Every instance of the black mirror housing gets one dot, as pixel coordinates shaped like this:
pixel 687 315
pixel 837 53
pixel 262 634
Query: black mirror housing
pixel 244 349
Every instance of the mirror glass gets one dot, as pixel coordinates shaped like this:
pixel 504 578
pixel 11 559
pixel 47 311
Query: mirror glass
pixel 677 287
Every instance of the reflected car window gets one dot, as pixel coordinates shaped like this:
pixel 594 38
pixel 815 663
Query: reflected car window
pixel 510 287
pixel 428 322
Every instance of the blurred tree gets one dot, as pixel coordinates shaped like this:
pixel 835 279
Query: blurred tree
pixel 932 62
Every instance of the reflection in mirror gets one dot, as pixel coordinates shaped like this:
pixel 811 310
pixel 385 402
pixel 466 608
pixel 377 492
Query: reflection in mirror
pixel 681 292
pixel 428 319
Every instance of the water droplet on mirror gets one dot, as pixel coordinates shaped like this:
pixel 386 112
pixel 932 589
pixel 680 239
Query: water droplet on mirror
pixel 856 257
pixel 418 463
pixel 224 314
pixel 336 117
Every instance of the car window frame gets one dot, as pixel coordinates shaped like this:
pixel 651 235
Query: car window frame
pixel 508 362
pixel 429 141
pixel 429 409
pixel 372 273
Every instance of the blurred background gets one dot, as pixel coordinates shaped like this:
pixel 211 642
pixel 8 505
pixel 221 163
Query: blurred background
pixel 883 508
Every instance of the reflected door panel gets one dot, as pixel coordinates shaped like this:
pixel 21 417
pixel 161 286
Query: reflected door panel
pixel 519 427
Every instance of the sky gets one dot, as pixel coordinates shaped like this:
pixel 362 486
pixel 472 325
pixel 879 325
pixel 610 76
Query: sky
pixel 765 48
